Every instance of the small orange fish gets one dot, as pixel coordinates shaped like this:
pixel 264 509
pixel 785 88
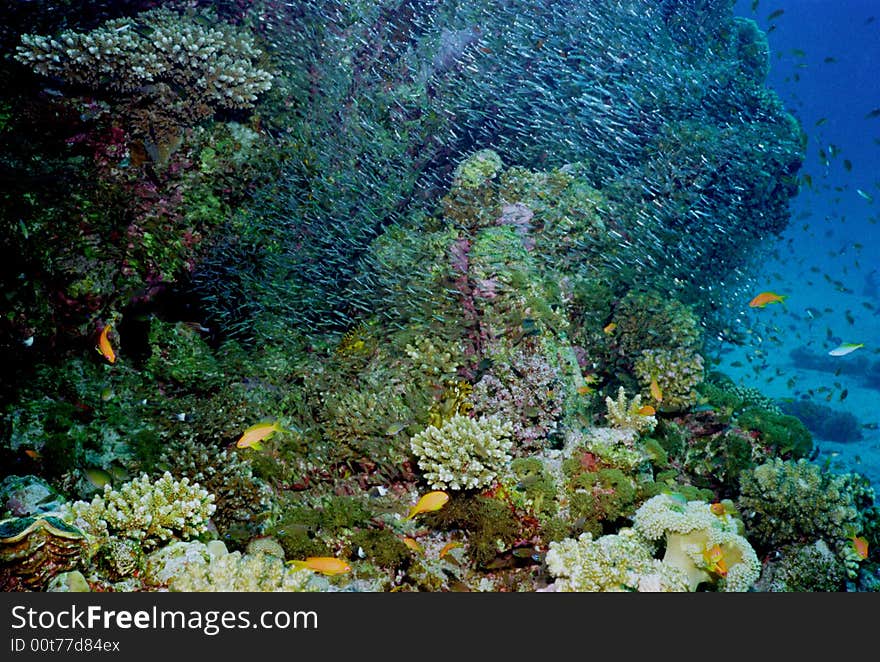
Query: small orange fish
pixel 861 546
pixel 412 544
pixel 326 565
pixel 767 297
pixel 104 347
pixel 656 391
pixel 430 502
pixel 585 390
pixel 717 509
pixel 609 329
pixel 448 547
pixel 256 434
pixel 647 410
pixel 33 454
pixel 714 557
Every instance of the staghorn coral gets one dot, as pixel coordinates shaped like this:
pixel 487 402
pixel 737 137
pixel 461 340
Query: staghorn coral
pixel 619 562
pixel 200 567
pixel 145 510
pixel 625 415
pixel 677 372
pixel 160 55
pixel 464 453
pixel 691 532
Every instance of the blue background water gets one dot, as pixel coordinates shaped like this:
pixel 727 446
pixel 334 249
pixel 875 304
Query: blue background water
pixel 824 58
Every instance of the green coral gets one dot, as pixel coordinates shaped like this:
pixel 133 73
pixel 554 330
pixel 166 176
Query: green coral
pixel 650 320
pixel 619 562
pixel 150 511
pixel 464 453
pixel 786 435
pixel 677 373
pixel 806 568
pixel 179 355
pixel 691 532
pixel 477 169
pixel 792 502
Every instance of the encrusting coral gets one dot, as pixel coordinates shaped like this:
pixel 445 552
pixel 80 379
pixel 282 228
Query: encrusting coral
pixel 464 453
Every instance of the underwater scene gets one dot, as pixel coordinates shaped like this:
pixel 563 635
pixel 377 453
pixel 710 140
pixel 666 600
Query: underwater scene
pixel 440 296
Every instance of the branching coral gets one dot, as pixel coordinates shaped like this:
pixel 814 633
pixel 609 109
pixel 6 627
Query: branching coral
pixel 465 453
pixel 157 54
pixel 620 562
pixel 145 510
pixel 706 546
pixel 629 415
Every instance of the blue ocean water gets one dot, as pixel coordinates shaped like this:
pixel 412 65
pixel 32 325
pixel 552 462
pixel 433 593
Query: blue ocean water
pixel 827 262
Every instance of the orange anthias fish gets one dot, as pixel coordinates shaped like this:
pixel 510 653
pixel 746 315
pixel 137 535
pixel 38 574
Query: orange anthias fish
pixel 430 502
pixel 448 547
pixel 609 329
pixel 714 557
pixel 256 434
pixel 104 347
pixel 412 544
pixel 656 391
pixel 326 565
pixel 647 410
pixel 718 509
pixel 767 297
pixel 861 546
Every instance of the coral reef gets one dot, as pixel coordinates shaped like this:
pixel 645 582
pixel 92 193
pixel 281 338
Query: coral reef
pixel 465 453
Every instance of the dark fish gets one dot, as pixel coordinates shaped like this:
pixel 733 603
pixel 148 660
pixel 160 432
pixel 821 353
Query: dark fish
pixel 775 14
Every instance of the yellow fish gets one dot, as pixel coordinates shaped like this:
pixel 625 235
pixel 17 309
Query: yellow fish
pixel 104 347
pixel 609 329
pixel 412 544
pixel 647 410
pixel 448 547
pixel 428 503
pixel 326 565
pixel 714 558
pixel 656 391
pixel 256 434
